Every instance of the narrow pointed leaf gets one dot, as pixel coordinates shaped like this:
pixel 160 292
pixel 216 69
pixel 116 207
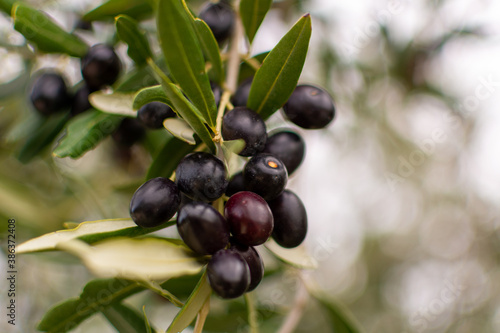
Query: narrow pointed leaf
pixel 108 10
pixel 6 6
pixel 276 79
pixel 167 159
pixel 42 137
pixel 90 232
pixel 96 295
pixel 194 304
pixel 138 46
pixel 252 14
pixel 184 57
pixel 210 49
pixel 41 30
pixel 84 132
pixel 246 70
pixel 137 259
pixel 149 329
pixel 180 129
pixel 148 95
pixel 117 103
pixel 297 257
pixel 124 318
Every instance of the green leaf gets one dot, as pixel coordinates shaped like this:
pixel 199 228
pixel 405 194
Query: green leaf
pixel 276 79
pixel 137 259
pixel 246 70
pixel 84 132
pixel 124 318
pixel 165 163
pixel 49 37
pixel 138 45
pixel 297 256
pixel 96 295
pixel 210 49
pixel 46 132
pixel 194 304
pixel 184 58
pixel 185 109
pixel 90 232
pixel 341 319
pixel 252 14
pixel 180 129
pixel 148 95
pixel 135 79
pixel 108 10
pixel 117 103
pixel 6 6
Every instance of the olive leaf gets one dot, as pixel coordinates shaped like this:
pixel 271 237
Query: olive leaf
pixel 90 232
pixel 108 10
pixel 252 14
pixel 184 58
pixel 84 132
pixel 188 312
pixel 137 259
pixel 42 136
pixel 124 318
pixel 6 6
pixel 148 95
pixel 97 295
pixel 210 49
pixel 149 329
pixel 276 79
pixel 41 30
pixel 128 31
pixel 297 256
pixel 167 159
pixel 180 129
pixel 117 103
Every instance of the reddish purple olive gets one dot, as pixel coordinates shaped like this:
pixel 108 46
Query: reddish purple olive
pixel 249 218
pixel 228 274
pixel 154 202
pixel 202 228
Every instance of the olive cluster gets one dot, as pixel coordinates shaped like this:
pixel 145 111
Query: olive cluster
pixel 257 204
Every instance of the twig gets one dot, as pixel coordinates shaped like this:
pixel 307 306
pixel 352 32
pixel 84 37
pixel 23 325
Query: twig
pixel 154 286
pixel 234 56
pixel 202 316
pixel 252 314
pixel 292 319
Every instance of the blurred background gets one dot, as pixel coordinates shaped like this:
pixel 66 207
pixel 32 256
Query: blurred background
pixel 402 190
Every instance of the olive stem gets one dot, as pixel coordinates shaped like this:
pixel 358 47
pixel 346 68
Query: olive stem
pixel 292 319
pixel 234 56
pixel 154 286
pixel 202 316
pixel 252 314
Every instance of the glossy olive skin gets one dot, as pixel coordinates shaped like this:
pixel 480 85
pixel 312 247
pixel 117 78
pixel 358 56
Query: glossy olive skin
pixel 201 176
pixel 244 123
pixel 290 219
pixel 240 97
pixel 289 147
pixel 128 132
pixel 100 66
pixel 250 218
pixel 255 264
pixel 154 202
pixel 153 114
pixel 81 100
pixel 220 18
pixel 236 184
pixel 49 93
pixel 265 175
pixel 202 228
pixel 310 107
pixel 228 274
